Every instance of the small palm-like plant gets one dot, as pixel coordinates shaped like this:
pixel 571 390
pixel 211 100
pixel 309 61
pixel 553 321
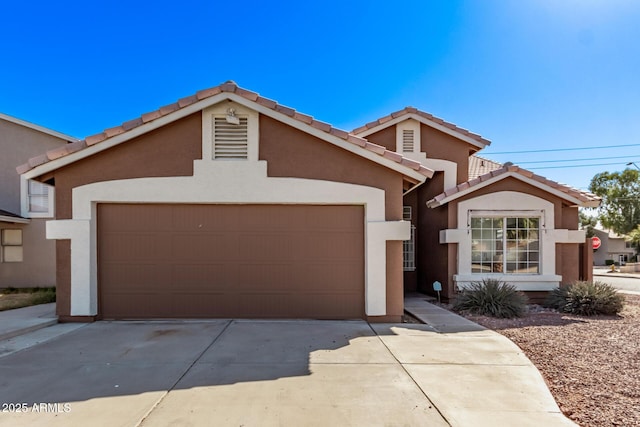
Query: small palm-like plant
pixel 586 299
pixel 491 297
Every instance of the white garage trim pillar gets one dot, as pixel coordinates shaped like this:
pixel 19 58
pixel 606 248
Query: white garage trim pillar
pixel 223 183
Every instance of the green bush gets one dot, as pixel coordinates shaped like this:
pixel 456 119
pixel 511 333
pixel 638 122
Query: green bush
pixel 586 298
pixel 44 296
pixel 492 297
pixel 608 262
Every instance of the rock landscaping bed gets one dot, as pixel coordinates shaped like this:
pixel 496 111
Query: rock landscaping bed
pixel 591 364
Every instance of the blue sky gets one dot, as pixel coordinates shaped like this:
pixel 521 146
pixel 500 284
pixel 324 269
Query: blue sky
pixel 526 74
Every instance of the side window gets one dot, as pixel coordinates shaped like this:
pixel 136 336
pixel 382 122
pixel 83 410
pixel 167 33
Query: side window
pixel 39 201
pixel 11 245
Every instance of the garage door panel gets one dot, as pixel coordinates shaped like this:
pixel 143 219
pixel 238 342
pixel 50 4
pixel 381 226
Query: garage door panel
pixel 271 261
pixel 203 278
pixel 205 247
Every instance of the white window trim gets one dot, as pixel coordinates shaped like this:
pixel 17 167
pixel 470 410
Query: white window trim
pixel 502 203
pixel 24 201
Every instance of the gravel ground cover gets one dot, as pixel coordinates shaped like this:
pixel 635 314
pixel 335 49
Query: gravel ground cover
pixel 591 364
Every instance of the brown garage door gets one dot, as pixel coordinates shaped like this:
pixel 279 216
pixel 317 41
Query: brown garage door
pixel 253 261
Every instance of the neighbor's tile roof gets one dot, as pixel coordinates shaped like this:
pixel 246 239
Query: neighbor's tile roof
pixel 479 166
pixel 229 87
pixel 583 196
pixel 430 117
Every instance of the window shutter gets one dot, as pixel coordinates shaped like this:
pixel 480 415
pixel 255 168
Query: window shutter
pixel 230 140
pixel 407 141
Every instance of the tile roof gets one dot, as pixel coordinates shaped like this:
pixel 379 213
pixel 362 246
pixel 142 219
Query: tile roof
pixel 586 198
pixel 479 166
pixel 430 117
pixel 227 87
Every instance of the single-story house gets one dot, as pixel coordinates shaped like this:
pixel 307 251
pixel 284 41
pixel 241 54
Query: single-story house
pixel 228 204
pixel 27 258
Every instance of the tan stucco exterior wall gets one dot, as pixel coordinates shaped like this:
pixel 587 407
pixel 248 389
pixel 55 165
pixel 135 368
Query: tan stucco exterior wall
pixel 38 266
pixel 18 144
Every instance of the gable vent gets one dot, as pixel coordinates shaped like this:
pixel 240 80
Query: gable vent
pixel 229 140
pixel 407 141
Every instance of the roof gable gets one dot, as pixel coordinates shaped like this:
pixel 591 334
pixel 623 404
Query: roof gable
pixel 572 195
pixel 70 153
pixel 425 118
pixel 38 128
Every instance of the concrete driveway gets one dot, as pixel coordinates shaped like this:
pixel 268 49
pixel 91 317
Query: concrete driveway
pixel 271 373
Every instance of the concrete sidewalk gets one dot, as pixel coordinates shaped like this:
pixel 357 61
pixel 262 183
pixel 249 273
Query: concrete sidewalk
pixel 19 321
pixel 449 371
pixel 477 377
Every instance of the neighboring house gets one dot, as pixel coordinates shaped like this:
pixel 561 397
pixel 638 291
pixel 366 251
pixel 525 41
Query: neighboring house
pixel 27 258
pixel 614 247
pixel 227 204
pixel 480 166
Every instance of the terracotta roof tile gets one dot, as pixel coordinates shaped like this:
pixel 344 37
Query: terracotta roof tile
pixel 94 139
pixel 206 93
pixel 583 196
pixel 168 109
pixel 430 117
pixel 266 102
pixel 230 87
pixel 38 160
pixel 151 116
pixel 132 124
pixel 285 110
pixel 358 141
pixel 187 100
pixel 378 149
pixel 251 96
pixel 303 118
pixel 392 155
pixel 76 146
pixel 26 167
pixel 339 133
pixel 321 125
pixel 114 131
pixel 56 153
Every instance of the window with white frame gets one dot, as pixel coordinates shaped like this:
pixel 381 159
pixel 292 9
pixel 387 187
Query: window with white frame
pixel 11 245
pixel 39 199
pixel 408 246
pixel 507 245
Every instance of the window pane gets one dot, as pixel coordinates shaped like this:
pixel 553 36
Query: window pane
pixel 38 197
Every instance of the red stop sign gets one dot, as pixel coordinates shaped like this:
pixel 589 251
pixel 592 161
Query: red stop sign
pixel 595 240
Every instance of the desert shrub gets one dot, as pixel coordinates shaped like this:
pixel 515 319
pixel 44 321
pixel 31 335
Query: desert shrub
pixel 491 297
pixel 586 298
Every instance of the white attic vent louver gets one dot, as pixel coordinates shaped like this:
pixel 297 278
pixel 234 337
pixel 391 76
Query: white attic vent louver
pixel 407 141
pixel 230 141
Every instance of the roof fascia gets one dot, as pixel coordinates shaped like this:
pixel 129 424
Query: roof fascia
pixel 201 105
pixel 14 220
pixel 425 121
pixel 500 177
pixel 37 128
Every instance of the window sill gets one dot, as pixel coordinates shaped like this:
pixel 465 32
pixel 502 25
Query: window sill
pixel 523 282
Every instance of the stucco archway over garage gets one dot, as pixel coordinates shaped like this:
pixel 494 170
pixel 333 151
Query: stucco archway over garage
pixel 251 261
